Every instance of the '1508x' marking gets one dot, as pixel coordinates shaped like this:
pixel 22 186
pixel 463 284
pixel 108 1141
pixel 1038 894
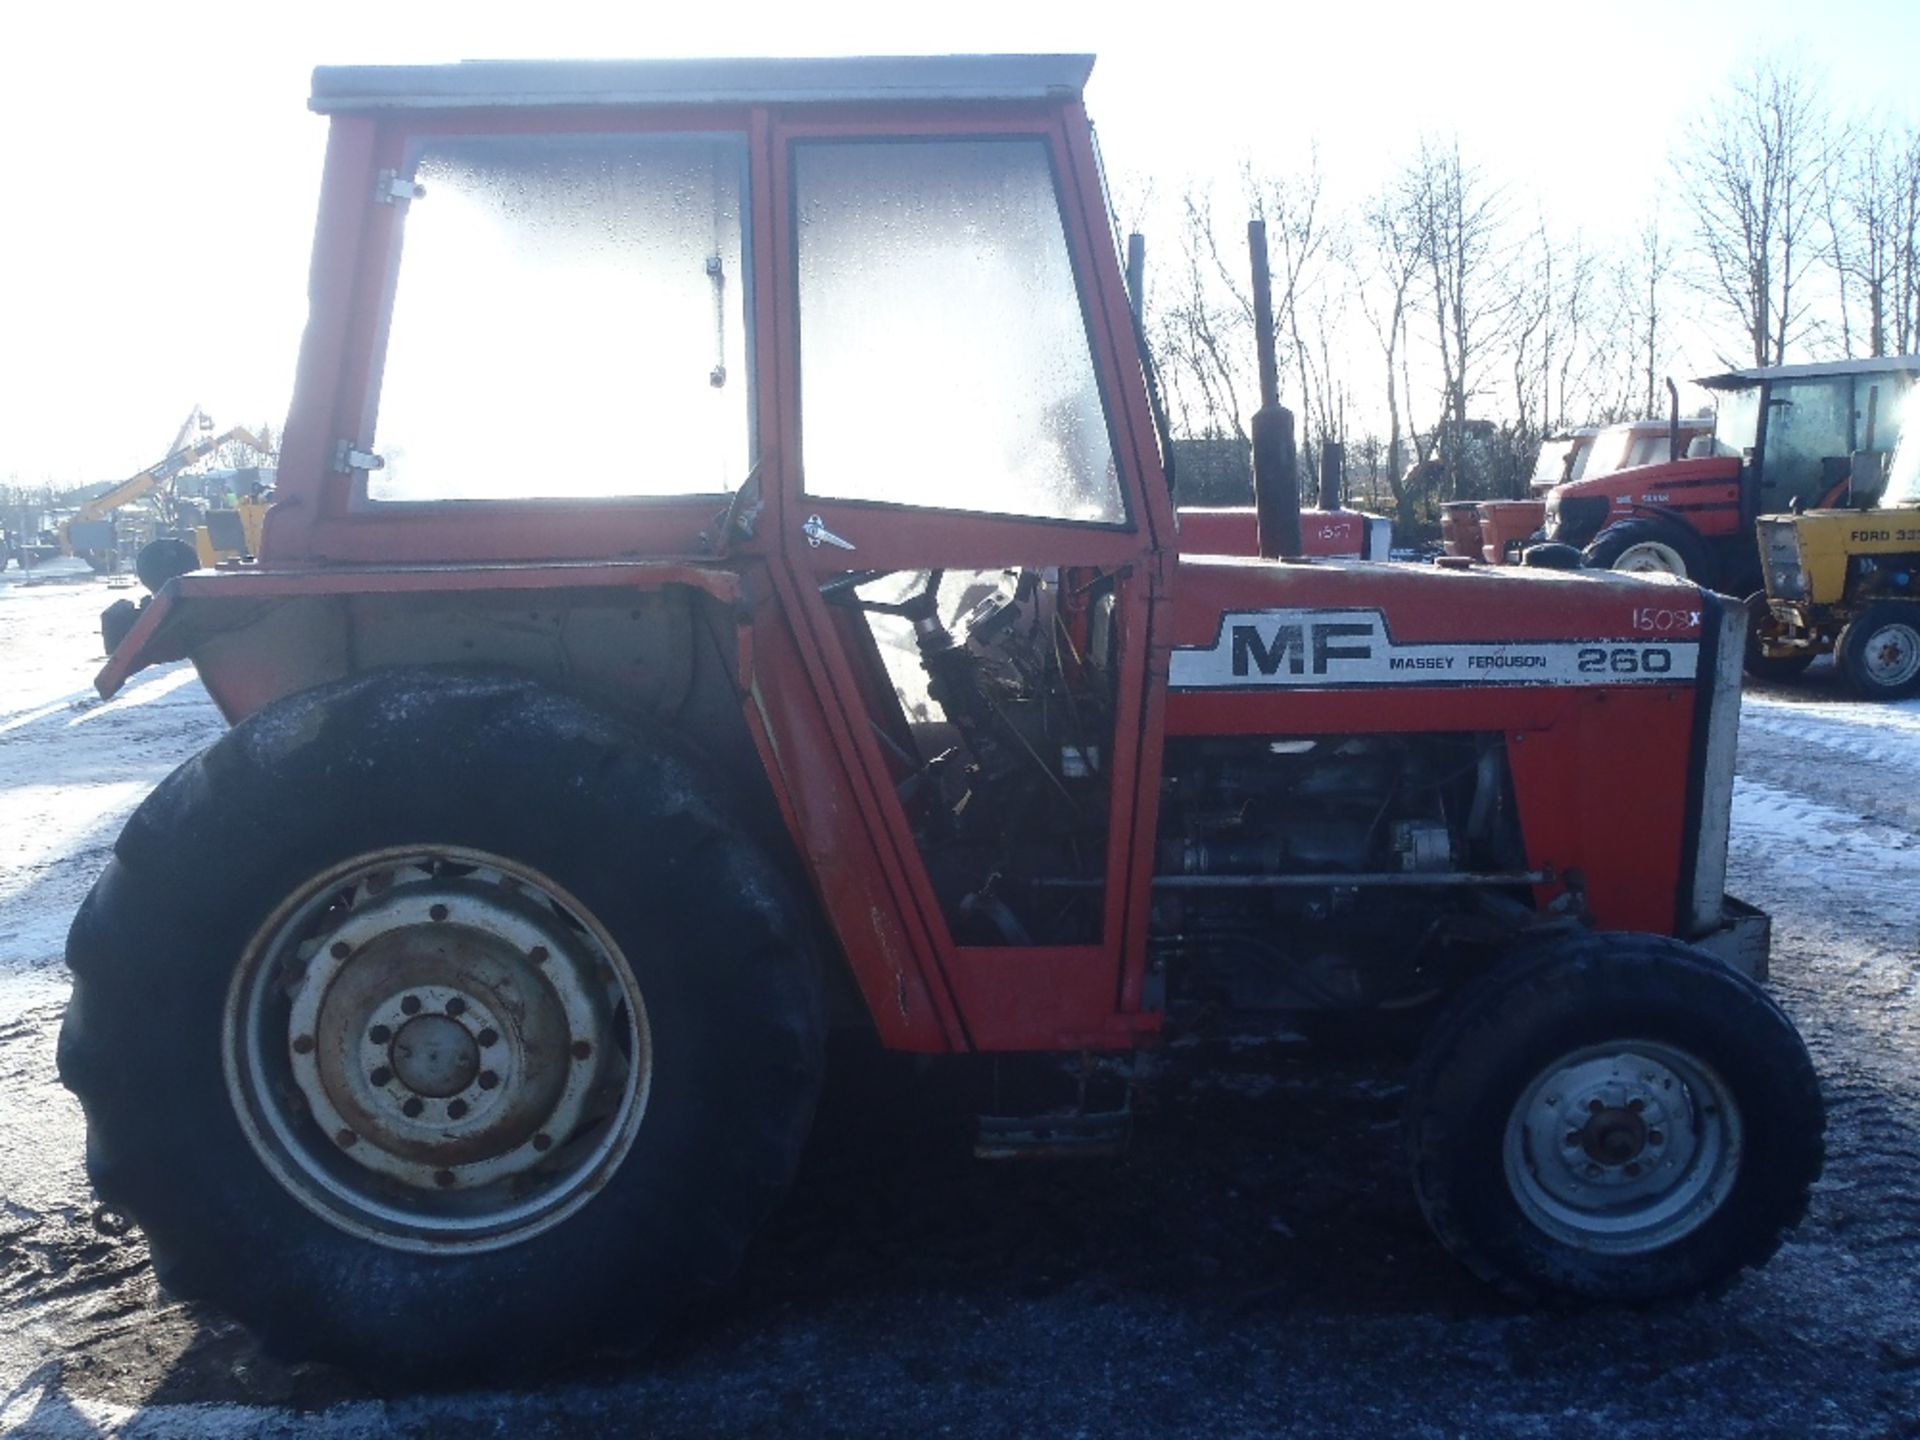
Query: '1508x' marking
pixel 1334 649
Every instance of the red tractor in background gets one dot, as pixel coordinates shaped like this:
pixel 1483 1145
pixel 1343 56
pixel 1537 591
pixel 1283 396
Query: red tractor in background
pixel 464 1006
pixel 1497 531
pixel 1784 438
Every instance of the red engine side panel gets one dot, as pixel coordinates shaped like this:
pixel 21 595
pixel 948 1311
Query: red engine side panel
pixel 1591 679
pixel 1333 534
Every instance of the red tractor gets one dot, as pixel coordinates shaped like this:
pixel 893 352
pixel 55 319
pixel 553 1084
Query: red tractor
pixel 1783 438
pixel 1498 531
pixel 722 574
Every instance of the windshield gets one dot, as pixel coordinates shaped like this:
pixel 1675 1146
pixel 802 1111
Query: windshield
pixel 1551 467
pixel 1903 476
pixel 1609 451
pixel 1736 421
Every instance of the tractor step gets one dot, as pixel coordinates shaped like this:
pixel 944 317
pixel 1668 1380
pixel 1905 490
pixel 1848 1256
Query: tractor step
pixel 1098 1133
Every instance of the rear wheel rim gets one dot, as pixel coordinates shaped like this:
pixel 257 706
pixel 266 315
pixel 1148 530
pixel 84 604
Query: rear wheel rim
pixel 1890 657
pixel 1623 1148
pixel 1651 557
pixel 437 1050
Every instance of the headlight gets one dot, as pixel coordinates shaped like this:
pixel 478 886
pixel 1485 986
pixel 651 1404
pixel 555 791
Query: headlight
pixel 1780 552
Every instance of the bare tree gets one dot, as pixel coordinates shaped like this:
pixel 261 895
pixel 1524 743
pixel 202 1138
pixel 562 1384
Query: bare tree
pixel 1385 267
pixel 1457 217
pixel 1201 331
pixel 1869 199
pixel 1751 173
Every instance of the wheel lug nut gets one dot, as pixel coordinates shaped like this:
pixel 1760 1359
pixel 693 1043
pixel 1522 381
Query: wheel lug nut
pixel 538 954
pixel 412 1107
pixel 345 1138
pixel 410 1005
pixel 582 1049
pixel 456 1006
pixel 437 912
pixel 379 1035
pixel 381 1077
pixel 443 1178
pixel 488 1079
pixel 1573 1138
pixel 1593 1169
pixel 542 1141
pixel 1636 1106
pixel 303 1044
pixel 488 1037
pixel 1633 1168
pixel 1594 1107
pixel 340 950
pixel 1654 1137
pixel 456 1108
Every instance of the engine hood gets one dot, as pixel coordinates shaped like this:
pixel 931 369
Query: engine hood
pixel 1647 478
pixel 1318 625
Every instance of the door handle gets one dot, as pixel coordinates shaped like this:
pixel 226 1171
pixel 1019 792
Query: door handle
pixel 818 534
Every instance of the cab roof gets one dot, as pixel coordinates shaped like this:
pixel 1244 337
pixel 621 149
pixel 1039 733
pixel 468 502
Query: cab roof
pixel 1741 379
pixel 495 84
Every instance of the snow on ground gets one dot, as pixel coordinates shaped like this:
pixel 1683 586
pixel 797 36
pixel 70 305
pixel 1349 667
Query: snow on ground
pixel 1255 1266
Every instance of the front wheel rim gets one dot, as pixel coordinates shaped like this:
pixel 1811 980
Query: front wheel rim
pixel 1891 655
pixel 1623 1148
pixel 437 1049
pixel 1651 557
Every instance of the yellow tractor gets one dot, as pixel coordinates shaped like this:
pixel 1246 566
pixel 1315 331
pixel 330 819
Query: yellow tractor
pixel 1845 582
pixel 231 534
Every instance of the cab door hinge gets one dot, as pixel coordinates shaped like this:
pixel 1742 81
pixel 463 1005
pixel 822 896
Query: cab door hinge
pixel 392 188
pixel 347 458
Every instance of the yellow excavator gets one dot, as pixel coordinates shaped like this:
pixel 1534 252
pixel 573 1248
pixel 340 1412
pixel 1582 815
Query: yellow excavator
pixel 90 533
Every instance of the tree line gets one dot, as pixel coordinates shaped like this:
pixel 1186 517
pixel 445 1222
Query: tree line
pixel 1438 328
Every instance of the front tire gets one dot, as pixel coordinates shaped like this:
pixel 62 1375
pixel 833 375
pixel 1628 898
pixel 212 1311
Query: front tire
pixel 1613 1117
pixel 1757 662
pixel 510 874
pixel 1648 547
pixel 1879 651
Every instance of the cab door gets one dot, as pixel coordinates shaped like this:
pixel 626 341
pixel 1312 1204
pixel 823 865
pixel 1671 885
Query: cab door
pixel 967 549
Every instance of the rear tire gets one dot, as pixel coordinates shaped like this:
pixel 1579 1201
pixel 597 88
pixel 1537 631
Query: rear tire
pixel 1648 547
pixel 1613 1117
pixel 300 846
pixel 1879 651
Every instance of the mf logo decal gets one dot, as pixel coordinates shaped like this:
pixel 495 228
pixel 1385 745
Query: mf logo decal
pixel 1334 649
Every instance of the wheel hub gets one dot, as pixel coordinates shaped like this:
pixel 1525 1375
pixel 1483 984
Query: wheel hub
pixel 1623 1148
pixel 437 1050
pixel 436 1056
pixel 1614 1137
pixel 1893 654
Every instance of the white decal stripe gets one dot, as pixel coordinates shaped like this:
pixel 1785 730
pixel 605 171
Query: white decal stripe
pixel 1336 649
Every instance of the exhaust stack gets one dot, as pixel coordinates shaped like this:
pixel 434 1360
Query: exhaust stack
pixel 1276 466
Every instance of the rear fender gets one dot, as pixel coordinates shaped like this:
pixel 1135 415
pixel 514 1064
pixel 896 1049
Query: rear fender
pixel 256 636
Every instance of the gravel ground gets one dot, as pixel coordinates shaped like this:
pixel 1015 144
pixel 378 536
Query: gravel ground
pixel 1254 1266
